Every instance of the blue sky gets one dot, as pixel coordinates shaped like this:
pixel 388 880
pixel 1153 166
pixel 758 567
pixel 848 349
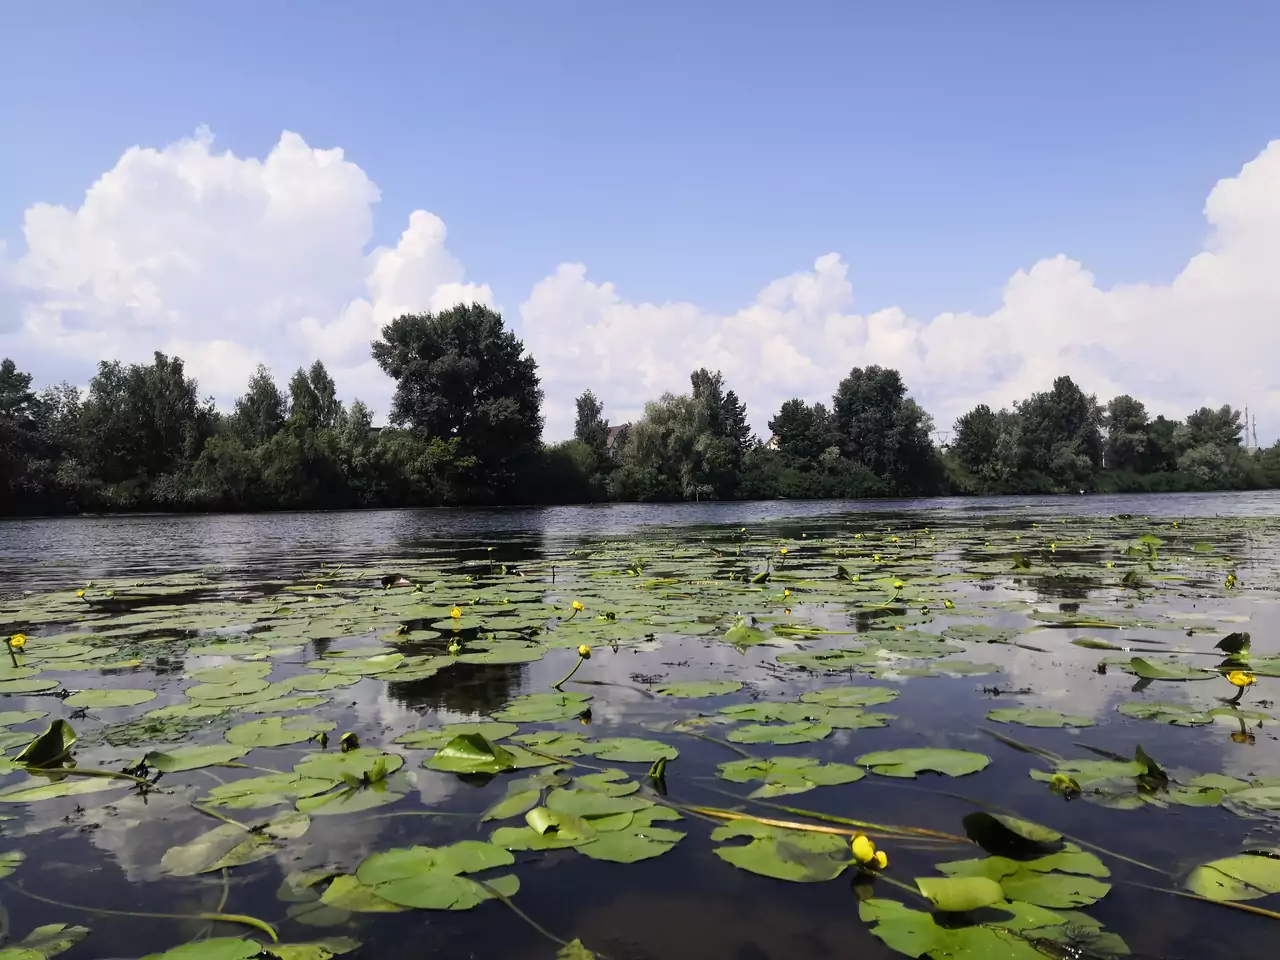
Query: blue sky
pixel 689 152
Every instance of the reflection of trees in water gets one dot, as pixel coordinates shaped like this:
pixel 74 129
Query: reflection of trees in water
pixel 462 688
pixel 1062 588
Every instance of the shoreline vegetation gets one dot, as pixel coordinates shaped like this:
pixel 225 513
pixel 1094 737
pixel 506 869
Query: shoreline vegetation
pixel 466 430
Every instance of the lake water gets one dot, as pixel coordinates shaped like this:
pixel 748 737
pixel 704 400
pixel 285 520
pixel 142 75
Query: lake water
pixel 236 651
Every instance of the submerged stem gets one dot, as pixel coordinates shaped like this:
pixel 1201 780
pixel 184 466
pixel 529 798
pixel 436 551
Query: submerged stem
pixel 239 918
pixel 1260 911
pixel 498 895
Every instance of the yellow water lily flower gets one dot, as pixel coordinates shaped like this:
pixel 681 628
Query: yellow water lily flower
pixel 786 593
pixel 787 611
pixel 319 586
pixel 1241 678
pixel 875 557
pixel 949 604
pixel 865 853
pixel 18 641
pixel 898 584
pixel 456 613
pixel 80 594
pixel 584 652
pixel 577 606
pixel 783 551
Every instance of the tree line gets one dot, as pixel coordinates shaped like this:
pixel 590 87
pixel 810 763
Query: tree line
pixel 466 428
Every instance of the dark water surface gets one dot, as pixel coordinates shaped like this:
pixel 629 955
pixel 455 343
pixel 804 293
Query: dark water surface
pixel 299 594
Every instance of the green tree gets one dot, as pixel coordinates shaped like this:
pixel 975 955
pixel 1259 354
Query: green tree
pixel 460 375
pixel 1219 428
pixel 1061 434
pixel 1161 448
pixel 803 431
pixel 1126 443
pixel 591 428
pixel 977 439
pixel 141 422
pixel 260 413
pixel 313 401
pixel 878 427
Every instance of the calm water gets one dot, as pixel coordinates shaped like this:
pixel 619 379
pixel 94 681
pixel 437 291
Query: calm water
pixel 43 553
pixel 104 854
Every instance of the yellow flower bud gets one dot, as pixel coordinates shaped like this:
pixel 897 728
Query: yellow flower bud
pixel 949 604
pixel 898 584
pixel 18 641
pixel 584 652
pixel 1240 678
pixel 319 586
pixel 578 606
pixel 881 860
pixel 783 551
pixel 786 593
pixel 80 594
pixel 864 851
pixel 456 613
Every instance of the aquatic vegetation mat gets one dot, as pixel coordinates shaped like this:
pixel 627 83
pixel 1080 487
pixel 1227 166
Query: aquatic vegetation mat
pixel 995 724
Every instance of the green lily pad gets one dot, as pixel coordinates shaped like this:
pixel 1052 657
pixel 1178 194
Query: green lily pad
pixel 1243 877
pixel 910 762
pixel 783 733
pixel 543 707
pixel 1032 717
pixel 631 750
pixel 1149 669
pixel 193 758
pixel 783 854
pixel 787 775
pixel 215 948
pixel 698 688
pixel 277 731
pixel 850 696
pixel 960 894
pixel 471 753
pixel 109 698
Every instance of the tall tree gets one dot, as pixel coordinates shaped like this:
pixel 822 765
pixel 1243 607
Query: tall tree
pixel 1126 442
pixel 1220 428
pixel 878 427
pixel 313 402
pixel 1061 434
pixel 590 427
pixel 461 375
pixel 143 421
pixel 803 431
pixel 977 438
pixel 260 413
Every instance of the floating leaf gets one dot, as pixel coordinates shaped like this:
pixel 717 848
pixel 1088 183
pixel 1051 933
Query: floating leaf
pixel 49 748
pixel 543 707
pixel 787 775
pixel 471 753
pixel 784 854
pixel 780 733
pixel 215 948
pixel 631 750
pixel 960 894
pixel 1247 876
pixel 1168 670
pixel 698 688
pixel 909 762
pixel 1033 717
pixel 109 698
pixel 193 758
pixel 850 696
pixel 277 731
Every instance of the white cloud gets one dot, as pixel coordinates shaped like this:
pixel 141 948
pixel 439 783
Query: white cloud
pixel 1207 338
pixel 232 261
pixel 226 262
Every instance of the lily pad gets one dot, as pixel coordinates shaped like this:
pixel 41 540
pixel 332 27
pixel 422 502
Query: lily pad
pixel 698 688
pixel 277 731
pixel 1033 717
pixel 912 761
pixel 471 753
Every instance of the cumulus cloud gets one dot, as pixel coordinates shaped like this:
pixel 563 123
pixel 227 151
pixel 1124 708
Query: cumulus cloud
pixel 232 261
pixel 225 261
pixel 1206 338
